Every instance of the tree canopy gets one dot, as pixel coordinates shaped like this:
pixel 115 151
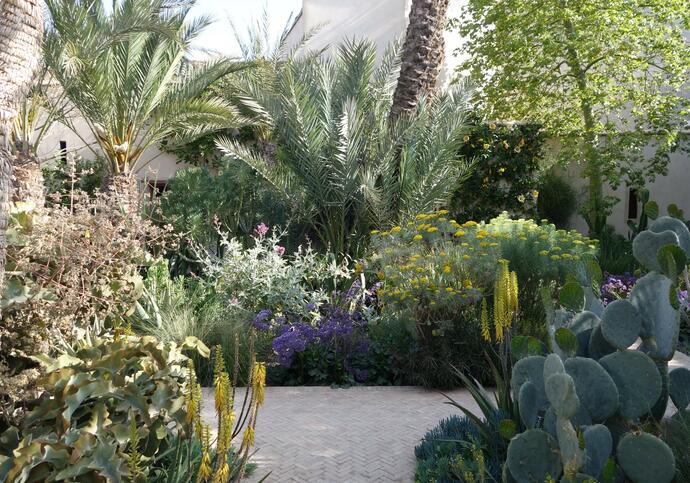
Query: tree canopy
pixel 605 77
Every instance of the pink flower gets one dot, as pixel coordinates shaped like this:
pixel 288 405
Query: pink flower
pixel 280 250
pixel 261 229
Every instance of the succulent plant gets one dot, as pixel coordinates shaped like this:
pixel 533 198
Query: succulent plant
pixel 596 391
pixel 99 395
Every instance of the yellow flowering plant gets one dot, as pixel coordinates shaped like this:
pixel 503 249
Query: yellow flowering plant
pixel 433 265
pixel 220 456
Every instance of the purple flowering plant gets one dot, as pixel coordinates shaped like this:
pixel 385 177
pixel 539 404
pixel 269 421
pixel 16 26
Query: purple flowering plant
pixel 615 287
pixel 324 343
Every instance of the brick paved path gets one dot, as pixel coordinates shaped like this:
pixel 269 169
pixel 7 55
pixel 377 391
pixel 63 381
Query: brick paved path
pixel 361 434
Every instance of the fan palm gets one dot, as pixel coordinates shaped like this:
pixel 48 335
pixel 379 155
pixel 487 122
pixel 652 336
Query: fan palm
pixel 127 73
pixel 339 160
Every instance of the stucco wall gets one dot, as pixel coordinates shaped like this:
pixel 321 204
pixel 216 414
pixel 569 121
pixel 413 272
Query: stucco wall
pixel 671 188
pixel 381 21
pixel 162 166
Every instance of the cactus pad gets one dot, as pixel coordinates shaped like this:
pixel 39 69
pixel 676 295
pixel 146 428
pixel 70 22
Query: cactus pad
pixel 647 244
pixel 598 448
pixel 598 345
pixel 660 321
pixel 646 459
pixel 553 365
pixel 679 387
pixel 583 321
pixel 676 226
pixel 572 456
pixel 595 387
pixel 530 369
pixel 530 404
pixel 638 381
pixel 621 324
pixel 578 478
pixel 560 391
pixel 532 456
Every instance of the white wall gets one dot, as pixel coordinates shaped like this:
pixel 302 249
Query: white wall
pixel 162 165
pixel 672 188
pixel 381 21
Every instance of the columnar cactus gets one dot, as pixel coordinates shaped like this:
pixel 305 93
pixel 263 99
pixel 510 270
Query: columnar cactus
pixel 584 405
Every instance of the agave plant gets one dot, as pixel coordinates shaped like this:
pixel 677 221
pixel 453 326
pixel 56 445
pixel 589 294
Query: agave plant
pixel 339 161
pixel 127 73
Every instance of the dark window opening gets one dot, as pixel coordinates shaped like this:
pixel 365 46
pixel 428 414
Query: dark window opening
pixel 632 204
pixel 156 188
pixel 63 151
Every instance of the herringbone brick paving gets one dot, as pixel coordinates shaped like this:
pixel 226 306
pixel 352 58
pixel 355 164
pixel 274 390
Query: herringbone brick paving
pixel 361 434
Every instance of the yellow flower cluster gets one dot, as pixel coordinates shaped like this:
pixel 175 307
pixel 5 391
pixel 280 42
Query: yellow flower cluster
pixel 217 469
pixel 457 261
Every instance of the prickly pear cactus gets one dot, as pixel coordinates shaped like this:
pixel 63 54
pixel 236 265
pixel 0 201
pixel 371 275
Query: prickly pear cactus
pixel 586 404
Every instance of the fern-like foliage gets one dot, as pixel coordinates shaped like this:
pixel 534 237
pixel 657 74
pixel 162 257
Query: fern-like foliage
pixel 127 73
pixel 338 158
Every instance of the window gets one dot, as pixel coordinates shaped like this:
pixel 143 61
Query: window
pixel 156 188
pixel 632 204
pixel 63 151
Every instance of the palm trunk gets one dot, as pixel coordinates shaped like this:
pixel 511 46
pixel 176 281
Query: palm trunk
pixel 27 180
pixel 5 190
pixel 423 54
pixel 125 191
pixel 21 32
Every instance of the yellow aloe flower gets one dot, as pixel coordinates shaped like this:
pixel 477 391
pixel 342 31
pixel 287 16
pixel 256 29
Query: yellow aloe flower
pixel 248 438
pixel 446 269
pixel 222 474
pixel 395 229
pixel 459 233
pixel 485 321
pixel 259 382
pixel 417 237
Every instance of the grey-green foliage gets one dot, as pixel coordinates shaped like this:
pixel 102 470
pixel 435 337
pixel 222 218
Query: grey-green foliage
pixel 590 403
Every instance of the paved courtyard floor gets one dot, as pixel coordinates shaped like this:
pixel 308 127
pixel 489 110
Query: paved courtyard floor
pixel 360 434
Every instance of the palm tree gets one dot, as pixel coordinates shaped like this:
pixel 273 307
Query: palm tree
pixel 21 30
pixel 423 54
pixel 337 152
pixel 128 75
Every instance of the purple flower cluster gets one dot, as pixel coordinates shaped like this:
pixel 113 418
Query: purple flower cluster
pixel 684 300
pixel 291 340
pixel 261 321
pixel 616 287
pixel 334 328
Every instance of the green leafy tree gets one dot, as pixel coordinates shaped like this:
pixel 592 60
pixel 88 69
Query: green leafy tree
pixel 128 74
pixel 338 160
pixel 604 77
